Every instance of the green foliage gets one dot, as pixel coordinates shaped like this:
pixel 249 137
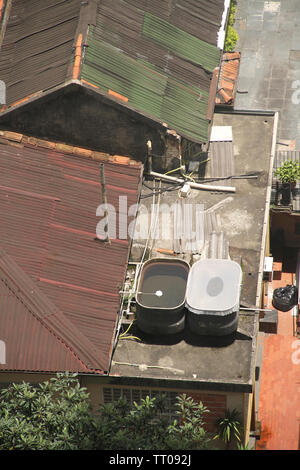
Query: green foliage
pixel 188 432
pixel 231 39
pixel 289 171
pixel 56 415
pixel 229 427
pixel 244 447
pixel 145 427
pixel 231 34
pixel 51 415
pixel 232 12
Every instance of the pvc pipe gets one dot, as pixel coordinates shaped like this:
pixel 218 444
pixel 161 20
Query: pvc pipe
pixel 256 309
pixel 207 187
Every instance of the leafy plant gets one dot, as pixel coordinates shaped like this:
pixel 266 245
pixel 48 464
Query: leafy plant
pixel 288 172
pixel 146 426
pixel 229 427
pixel 53 415
pixel 231 37
pixel 57 415
pixel 188 433
pixel 244 447
pixel 232 12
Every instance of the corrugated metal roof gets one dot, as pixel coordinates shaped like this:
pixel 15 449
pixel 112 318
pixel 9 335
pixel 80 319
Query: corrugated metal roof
pixel 221 162
pixel 37 45
pixel 156 57
pixel 48 202
pixel 37 336
pixel 156 61
pixel 201 18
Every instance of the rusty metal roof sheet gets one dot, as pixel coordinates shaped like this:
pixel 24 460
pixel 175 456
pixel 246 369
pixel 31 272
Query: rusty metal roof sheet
pixel 156 58
pixel 37 45
pixel 37 336
pixel 48 202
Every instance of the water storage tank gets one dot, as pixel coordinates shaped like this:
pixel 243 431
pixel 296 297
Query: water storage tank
pixel 213 296
pixel 161 296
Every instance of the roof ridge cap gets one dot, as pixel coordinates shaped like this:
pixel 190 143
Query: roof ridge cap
pixel 16 138
pixel 10 268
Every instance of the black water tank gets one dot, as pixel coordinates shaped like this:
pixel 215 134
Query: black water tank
pixel 161 296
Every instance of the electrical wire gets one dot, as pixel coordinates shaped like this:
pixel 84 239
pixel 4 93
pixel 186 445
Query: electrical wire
pixel 218 178
pixel 123 335
pixel 164 190
pixel 138 268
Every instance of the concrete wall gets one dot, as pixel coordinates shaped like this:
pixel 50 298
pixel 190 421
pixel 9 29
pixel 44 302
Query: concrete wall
pixel 18 377
pixel 76 116
pixel 216 402
pixel 286 224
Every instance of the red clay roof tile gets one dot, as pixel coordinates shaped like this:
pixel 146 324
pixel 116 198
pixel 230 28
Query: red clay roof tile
pixel 228 78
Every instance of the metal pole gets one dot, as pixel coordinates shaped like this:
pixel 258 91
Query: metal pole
pixel 149 154
pixel 104 200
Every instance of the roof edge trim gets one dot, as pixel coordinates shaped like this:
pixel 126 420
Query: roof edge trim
pixel 12 138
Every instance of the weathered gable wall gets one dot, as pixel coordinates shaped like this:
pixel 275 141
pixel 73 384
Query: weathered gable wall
pixel 78 117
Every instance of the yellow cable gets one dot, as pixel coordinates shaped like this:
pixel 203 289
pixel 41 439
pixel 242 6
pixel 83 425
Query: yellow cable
pixel 130 337
pixel 172 171
pixel 122 334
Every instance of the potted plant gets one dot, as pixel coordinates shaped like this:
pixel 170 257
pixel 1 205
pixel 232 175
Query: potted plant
pixel 288 173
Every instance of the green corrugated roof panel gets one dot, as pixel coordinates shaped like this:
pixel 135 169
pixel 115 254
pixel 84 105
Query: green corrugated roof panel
pixel 185 110
pixel 152 90
pixel 181 43
pixel 108 68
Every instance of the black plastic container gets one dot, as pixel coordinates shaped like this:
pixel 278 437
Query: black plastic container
pixel 164 313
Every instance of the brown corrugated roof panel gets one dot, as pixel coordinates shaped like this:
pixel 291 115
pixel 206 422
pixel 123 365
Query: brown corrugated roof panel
pixel 37 336
pixel 160 56
pixel 37 46
pixel 157 56
pixel 48 203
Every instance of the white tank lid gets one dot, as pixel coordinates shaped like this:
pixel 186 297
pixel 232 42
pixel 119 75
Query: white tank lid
pixel 213 285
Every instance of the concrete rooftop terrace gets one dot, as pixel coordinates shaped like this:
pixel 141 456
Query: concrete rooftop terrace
pixel 220 363
pixel 269 42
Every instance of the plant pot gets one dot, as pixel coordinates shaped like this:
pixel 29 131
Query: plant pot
pixel 286 194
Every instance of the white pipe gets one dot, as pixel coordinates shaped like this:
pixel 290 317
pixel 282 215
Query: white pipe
pixel 257 309
pixel 207 187
pixel 267 210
